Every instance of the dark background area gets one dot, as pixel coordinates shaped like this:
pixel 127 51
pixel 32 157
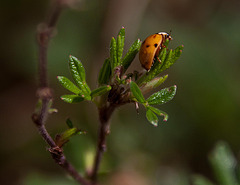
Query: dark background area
pixel 204 110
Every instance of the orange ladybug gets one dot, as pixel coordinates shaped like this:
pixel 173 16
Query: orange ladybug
pixel 150 49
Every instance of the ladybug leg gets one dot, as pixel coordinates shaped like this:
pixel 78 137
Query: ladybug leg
pixel 159 60
pixel 157 54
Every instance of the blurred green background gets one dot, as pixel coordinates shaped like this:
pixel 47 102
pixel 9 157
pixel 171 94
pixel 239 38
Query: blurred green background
pixel 204 110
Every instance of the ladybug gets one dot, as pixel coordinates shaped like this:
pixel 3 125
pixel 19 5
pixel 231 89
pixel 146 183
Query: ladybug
pixel 150 49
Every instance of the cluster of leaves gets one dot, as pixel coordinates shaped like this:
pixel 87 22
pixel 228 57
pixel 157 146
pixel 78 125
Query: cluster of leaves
pixel 157 98
pixel 116 59
pixel 120 86
pixel 224 166
pixel 82 90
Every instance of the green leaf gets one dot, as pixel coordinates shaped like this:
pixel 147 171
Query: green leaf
pixel 137 92
pixel 52 110
pixel 105 72
pixel 166 43
pixel 78 74
pixel 152 118
pixel 120 45
pixel 63 138
pixel 172 58
pixel 154 83
pixel 113 53
pixel 121 33
pixel 67 84
pixel 68 133
pixel 162 57
pixel 159 112
pixel 224 164
pixel 100 91
pixel 72 98
pixel 201 180
pixel 127 60
pixel 162 96
pixel 79 67
pixel 38 106
pixel 69 123
pixel 159 81
pixel 119 50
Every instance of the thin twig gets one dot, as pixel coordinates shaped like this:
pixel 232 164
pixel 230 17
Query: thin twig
pixel 45 135
pixel 44 93
pixel 45 32
pixel 104 116
pixel 60 159
pixel 58 155
pixel 115 98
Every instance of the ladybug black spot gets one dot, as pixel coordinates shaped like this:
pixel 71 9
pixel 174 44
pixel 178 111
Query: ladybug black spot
pixel 155 45
pixel 147 46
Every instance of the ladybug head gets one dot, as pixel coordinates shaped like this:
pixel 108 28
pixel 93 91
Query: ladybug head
pixel 165 35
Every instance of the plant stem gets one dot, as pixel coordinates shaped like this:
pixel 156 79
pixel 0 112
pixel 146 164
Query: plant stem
pixel 57 152
pixel 44 93
pixel 60 159
pixel 45 135
pixel 45 31
pixel 105 113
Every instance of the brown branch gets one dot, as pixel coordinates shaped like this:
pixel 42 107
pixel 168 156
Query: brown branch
pixel 105 113
pixel 116 97
pixel 57 152
pixel 44 93
pixel 45 32
pixel 60 159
